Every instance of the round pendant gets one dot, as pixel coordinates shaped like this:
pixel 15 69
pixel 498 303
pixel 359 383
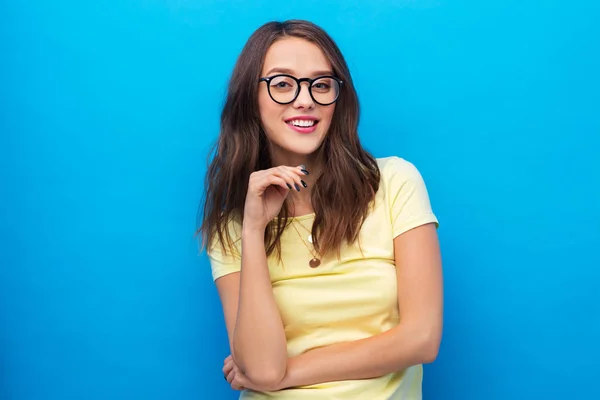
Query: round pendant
pixel 309 238
pixel 314 263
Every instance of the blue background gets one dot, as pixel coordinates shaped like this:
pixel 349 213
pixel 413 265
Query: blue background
pixel 106 116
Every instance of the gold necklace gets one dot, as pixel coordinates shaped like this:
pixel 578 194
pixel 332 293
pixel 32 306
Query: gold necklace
pixel 309 237
pixel 315 261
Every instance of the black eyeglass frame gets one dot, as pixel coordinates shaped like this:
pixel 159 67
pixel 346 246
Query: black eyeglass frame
pixel 310 81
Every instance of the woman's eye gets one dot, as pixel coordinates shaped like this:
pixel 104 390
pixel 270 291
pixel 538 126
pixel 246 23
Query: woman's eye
pixel 321 87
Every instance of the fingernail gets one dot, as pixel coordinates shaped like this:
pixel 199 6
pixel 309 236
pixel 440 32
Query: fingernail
pixel 303 183
pixel 288 185
pixel 304 171
pixel 302 166
pixel 297 187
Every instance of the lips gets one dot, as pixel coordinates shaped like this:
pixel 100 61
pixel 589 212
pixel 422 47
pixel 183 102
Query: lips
pixel 302 123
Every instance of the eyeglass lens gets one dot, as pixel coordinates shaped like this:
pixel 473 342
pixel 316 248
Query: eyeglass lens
pixel 284 89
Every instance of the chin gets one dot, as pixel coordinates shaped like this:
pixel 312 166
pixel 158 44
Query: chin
pixel 293 143
pixel 303 148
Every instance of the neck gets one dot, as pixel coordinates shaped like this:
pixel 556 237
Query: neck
pixel 313 164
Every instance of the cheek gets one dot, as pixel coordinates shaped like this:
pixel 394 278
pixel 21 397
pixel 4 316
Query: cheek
pixel 269 111
pixel 327 116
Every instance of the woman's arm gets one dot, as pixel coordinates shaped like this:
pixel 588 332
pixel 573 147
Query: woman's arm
pixel 257 338
pixel 414 341
pixel 256 334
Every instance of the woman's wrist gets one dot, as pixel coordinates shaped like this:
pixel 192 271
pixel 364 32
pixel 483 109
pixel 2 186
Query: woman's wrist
pixel 289 378
pixel 253 228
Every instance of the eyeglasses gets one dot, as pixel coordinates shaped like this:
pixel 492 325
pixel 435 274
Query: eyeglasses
pixel 284 89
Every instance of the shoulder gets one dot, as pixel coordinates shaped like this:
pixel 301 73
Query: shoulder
pixel 397 168
pixel 230 235
pixel 405 193
pixel 224 249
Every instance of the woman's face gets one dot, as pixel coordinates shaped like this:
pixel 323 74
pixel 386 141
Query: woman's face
pixel 295 130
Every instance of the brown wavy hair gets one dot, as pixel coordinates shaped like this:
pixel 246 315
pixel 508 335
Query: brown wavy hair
pixel 341 196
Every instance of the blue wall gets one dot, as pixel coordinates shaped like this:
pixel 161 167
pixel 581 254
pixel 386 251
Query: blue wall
pixel 106 115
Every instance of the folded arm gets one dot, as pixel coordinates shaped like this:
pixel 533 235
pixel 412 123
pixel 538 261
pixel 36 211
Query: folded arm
pixel 257 339
pixel 415 340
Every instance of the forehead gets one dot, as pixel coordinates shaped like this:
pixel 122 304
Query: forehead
pixel 296 56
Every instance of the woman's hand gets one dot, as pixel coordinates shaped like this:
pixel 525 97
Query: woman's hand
pixel 238 380
pixel 232 374
pixel 267 190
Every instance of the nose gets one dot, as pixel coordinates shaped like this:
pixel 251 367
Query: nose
pixel 304 100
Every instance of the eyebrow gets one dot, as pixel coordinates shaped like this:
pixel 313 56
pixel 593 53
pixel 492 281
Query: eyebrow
pixel 290 72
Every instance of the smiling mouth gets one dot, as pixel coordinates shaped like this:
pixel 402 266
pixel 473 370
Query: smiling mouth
pixel 302 123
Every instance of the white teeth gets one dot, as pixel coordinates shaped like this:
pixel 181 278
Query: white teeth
pixel 302 122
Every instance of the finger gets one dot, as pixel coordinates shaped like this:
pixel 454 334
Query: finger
pixel 299 170
pixel 277 181
pixel 261 180
pixel 228 367
pixel 231 376
pixel 302 169
pixel 236 384
pixel 292 176
pixel 285 177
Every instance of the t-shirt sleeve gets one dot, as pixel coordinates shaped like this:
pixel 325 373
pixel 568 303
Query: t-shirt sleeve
pixel 408 197
pixel 224 263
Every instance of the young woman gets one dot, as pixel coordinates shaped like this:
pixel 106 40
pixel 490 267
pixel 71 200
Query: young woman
pixel 325 258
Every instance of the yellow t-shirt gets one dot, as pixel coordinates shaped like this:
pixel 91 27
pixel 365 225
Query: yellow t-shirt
pixel 347 299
